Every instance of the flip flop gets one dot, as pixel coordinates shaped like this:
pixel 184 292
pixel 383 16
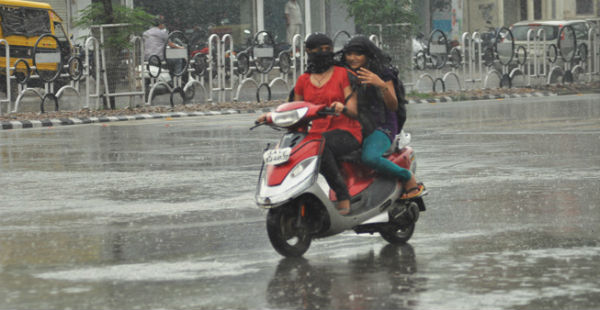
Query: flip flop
pixel 413 192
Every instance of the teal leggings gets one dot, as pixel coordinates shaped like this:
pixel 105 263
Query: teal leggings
pixel 372 150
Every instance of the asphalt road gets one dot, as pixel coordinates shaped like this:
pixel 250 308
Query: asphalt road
pixel 159 214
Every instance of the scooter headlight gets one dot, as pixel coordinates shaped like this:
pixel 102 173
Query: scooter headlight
pixel 288 118
pixel 302 166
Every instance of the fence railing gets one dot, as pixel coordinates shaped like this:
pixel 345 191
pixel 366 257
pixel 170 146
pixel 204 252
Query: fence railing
pixel 221 73
pixel 536 62
pixel 6 99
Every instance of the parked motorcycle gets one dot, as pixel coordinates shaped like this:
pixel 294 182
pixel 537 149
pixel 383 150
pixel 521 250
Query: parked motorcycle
pixel 424 58
pixel 419 48
pixel 262 53
pixel 301 206
pixel 486 41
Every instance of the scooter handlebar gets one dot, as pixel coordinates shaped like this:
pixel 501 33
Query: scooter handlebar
pixel 327 111
pixel 256 124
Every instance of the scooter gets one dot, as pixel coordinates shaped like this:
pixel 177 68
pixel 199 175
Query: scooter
pixel 300 204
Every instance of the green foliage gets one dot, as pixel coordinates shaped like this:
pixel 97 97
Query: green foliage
pixel 182 14
pixel 367 12
pixel 417 95
pixel 137 19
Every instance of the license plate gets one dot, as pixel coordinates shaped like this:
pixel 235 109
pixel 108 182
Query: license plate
pixel 277 156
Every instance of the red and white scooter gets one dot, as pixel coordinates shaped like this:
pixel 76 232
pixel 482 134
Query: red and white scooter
pixel 300 204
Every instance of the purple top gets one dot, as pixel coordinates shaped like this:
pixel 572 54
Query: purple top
pixel 389 124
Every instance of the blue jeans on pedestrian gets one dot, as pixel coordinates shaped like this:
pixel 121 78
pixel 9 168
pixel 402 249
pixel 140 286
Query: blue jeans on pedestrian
pixel 373 148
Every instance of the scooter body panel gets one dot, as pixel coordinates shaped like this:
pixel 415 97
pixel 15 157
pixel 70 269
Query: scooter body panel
pixel 293 183
pixel 371 194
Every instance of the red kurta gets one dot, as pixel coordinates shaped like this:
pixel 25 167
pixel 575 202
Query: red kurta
pixel 328 93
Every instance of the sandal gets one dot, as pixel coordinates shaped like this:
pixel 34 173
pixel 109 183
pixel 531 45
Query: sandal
pixel 413 192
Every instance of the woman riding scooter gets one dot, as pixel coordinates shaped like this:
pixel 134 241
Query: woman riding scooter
pixel 326 84
pixel 377 103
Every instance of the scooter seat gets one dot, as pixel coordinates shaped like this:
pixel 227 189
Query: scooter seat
pixel 401 140
pixel 356 155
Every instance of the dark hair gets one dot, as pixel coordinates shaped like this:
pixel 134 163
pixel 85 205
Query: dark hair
pixel 377 60
pixel 158 20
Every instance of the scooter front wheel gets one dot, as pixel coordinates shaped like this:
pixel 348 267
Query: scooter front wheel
pixel 284 234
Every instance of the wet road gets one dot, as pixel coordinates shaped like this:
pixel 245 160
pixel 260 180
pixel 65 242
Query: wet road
pixel 160 215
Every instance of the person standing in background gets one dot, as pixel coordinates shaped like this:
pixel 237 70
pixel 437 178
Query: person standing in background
pixel 293 19
pixel 155 41
pixel 156 38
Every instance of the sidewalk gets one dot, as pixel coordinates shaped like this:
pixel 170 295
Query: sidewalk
pixel 504 93
pixel 61 118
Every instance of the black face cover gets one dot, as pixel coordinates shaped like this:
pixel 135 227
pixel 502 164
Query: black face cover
pixel 319 62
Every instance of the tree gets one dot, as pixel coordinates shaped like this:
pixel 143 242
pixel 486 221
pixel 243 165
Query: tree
pixel 102 12
pixel 399 20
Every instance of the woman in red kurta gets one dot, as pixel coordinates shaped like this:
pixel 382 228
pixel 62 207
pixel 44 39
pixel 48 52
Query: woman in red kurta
pixel 326 84
pixel 328 91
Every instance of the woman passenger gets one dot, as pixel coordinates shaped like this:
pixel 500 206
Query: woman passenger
pixel 377 103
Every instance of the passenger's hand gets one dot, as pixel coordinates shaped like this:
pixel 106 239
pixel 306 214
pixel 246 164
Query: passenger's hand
pixel 367 77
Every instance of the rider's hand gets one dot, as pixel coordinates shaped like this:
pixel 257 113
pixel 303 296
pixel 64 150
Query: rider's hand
pixel 338 107
pixel 367 77
pixel 263 118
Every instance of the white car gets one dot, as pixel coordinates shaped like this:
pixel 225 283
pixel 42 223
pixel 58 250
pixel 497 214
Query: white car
pixel 576 48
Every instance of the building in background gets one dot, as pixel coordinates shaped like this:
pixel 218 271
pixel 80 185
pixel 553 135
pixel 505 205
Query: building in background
pixel 330 16
pixel 455 17
pixel 327 16
pixel 507 12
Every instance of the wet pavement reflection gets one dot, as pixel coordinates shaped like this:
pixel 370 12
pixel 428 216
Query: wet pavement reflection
pixel 160 214
pixel 297 283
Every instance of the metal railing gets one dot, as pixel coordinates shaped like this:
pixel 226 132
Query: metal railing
pixel 536 63
pixel 111 91
pixel 6 100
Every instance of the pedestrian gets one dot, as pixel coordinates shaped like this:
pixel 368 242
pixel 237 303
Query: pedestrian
pixel 155 40
pixel 293 19
pixel 377 103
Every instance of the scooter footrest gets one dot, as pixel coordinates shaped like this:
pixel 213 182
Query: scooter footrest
pixel 367 228
pixel 420 202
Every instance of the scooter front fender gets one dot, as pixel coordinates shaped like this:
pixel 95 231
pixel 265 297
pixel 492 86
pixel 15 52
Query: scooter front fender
pixel 301 179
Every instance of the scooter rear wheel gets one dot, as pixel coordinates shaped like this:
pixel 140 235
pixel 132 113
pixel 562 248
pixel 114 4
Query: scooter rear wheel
pixel 284 235
pixel 398 234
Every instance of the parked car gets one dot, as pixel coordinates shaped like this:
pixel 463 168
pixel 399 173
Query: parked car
pixel 552 29
pixel 594 22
